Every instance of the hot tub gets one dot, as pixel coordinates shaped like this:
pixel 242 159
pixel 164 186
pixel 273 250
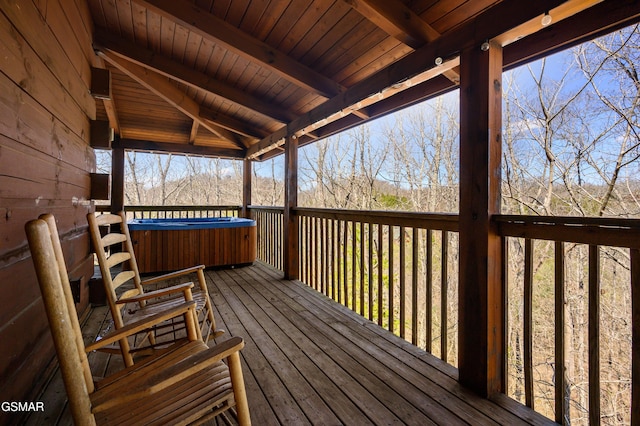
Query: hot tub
pixel 170 244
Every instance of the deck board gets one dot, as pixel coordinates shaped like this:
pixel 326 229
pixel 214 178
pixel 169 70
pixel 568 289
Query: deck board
pixel 309 360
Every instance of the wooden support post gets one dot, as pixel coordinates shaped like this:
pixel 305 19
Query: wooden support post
pixel 246 187
pixel 117 179
pixel 481 312
pixel 290 249
pixel 635 336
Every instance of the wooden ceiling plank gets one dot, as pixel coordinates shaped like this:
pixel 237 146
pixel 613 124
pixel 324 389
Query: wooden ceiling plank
pixel 210 26
pixel 397 20
pixel 103 40
pixel 485 26
pixel 159 85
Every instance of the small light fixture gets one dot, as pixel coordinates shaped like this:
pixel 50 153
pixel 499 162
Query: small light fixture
pixel 438 61
pixel 546 19
pixel 484 46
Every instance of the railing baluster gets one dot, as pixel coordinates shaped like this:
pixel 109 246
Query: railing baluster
pixel 380 255
pixel 428 290
pixel 414 286
pixel 323 256
pixel 504 371
pixel 344 263
pixel 361 258
pixel 338 257
pixel 403 295
pixel 370 272
pixel 391 282
pixel 528 322
pixel 444 297
pixel 561 393
pixel 594 335
pixel 635 336
pixel 353 266
pixel 334 248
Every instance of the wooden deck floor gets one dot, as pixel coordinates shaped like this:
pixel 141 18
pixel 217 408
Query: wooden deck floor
pixel 309 360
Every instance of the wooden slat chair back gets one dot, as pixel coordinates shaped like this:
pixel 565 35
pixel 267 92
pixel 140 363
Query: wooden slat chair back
pixel 185 383
pixel 118 266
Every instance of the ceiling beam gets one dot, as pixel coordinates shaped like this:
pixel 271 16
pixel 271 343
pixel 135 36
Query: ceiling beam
pixel 175 148
pixel 215 29
pixel 109 104
pixel 163 88
pixel 107 42
pixel 598 20
pixel 400 22
pixel 484 27
pixel 232 124
pixel 396 19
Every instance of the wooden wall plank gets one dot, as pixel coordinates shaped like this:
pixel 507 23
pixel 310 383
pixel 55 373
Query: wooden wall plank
pixel 45 160
pixel 28 22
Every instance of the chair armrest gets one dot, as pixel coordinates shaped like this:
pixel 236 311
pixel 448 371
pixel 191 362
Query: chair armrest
pixel 138 326
pixel 172 275
pixel 180 288
pixel 165 377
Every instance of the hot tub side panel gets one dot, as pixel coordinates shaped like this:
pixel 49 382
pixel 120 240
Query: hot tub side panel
pixel 169 250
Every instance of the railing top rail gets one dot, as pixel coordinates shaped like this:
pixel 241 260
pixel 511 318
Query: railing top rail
pixel 609 222
pixel 616 232
pixel 441 221
pixel 276 209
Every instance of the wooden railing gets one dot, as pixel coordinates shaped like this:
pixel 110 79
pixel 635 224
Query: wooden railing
pixel 399 270
pixel 387 266
pixel 270 234
pixel 596 248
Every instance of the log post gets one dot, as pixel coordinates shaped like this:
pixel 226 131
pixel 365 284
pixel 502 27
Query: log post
pixel 246 187
pixel 290 220
pixel 117 179
pixel 481 294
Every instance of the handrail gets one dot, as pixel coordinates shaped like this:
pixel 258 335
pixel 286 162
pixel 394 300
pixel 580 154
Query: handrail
pixel 617 232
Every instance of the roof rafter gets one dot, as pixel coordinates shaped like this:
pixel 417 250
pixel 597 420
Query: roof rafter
pixel 105 41
pixel 159 85
pixel 213 28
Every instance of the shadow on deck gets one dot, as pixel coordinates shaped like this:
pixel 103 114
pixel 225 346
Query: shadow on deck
pixel 309 360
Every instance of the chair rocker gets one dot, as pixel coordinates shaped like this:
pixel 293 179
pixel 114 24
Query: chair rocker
pixel 184 383
pixel 119 267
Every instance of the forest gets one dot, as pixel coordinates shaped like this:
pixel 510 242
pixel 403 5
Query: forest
pixel 571 147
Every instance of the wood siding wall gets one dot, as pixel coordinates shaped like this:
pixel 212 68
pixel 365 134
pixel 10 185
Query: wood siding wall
pixel 45 161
